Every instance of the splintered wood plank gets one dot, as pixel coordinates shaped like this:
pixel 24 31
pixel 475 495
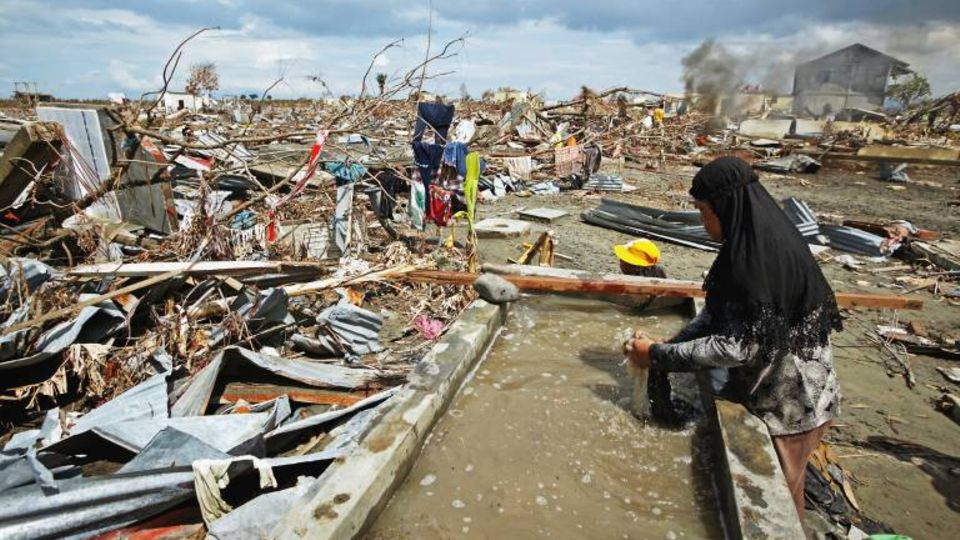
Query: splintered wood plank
pixel 621 284
pixel 260 392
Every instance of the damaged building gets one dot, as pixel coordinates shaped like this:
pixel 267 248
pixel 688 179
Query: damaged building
pixel 855 77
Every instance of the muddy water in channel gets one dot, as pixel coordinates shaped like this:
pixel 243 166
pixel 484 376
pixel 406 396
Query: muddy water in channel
pixel 539 443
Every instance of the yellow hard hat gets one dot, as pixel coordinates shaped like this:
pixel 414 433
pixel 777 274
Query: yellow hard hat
pixel 640 252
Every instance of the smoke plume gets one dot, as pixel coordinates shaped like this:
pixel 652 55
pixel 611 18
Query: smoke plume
pixel 711 72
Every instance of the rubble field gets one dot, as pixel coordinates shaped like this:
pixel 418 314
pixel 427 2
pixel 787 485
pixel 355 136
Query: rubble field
pixel 203 311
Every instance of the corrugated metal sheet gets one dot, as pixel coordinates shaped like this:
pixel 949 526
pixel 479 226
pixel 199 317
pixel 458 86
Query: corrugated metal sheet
pixel 238 360
pixel 802 216
pixel 296 425
pixel 604 182
pixel 681 228
pixel 857 241
pixel 86 506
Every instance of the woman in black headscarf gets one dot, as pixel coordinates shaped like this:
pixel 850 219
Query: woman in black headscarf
pixel 769 313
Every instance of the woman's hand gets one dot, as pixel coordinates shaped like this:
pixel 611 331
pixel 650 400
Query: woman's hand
pixel 638 352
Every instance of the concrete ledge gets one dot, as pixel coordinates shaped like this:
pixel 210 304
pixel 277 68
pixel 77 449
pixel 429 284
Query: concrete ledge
pixel 353 490
pixel 753 492
pixel 762 504
pixel 754 499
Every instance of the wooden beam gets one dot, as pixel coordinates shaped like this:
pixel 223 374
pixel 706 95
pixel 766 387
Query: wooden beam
pixel 260 392
pixel 226 268
pixel 873 159
pixel 622 284
pixel 30 151
pixel 877 301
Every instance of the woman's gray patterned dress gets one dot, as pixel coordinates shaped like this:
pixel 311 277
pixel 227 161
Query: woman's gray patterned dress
pixel 790 394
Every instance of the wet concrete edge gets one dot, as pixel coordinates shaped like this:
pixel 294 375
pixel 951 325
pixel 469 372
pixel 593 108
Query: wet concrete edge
pixel 754 500
pixel 353 490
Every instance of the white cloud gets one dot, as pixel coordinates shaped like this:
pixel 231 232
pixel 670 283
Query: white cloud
pixel 124 50
pixel 121 73
pixel 110 18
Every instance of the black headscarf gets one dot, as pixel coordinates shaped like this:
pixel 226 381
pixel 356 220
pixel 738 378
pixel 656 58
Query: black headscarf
pixel 765 288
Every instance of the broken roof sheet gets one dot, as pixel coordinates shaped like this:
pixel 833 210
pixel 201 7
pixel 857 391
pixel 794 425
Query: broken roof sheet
pixel 238 360
pixel 86 506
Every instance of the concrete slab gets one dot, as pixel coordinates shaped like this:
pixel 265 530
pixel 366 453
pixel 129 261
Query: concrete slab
pixel 910 152
pixel 769 128
pixel 757 503
pixel 545 215
pixel 806 127
pixel 310 241
pixel 501 228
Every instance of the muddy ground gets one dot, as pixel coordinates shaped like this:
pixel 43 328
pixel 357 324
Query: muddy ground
pixel 903 454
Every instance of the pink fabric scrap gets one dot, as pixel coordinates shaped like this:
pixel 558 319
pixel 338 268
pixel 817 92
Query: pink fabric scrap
pixel 428 328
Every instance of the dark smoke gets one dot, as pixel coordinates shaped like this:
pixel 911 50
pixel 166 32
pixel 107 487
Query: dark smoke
pixel 711 72
pixel 716 73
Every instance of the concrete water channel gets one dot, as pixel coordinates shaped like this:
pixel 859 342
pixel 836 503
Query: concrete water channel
pixel 540 442
pixel 517 424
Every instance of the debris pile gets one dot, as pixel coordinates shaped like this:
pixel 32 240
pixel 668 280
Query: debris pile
pixel 198 309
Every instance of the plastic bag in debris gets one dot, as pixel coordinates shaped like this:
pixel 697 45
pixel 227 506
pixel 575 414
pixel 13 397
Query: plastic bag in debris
pixel 32 273
pixel 495 187
pixel 794 163
pixel 343 330
pixel 347 171
pixel 894 173
pixel 417 207
pixel 428 327
pixel 501 184
pixel 213 475
pixel 545 188
pixel 465 131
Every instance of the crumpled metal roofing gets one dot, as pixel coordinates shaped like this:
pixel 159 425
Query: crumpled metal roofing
pixel 802 216
pixel 86 506
pixel 171 447
pixel 230 433
pixel 295 424
pixel 91 325
pixel 683 228
pixel 145 401
pixel 344 329
pixel 857 241
pixel 604 182
pixel 195 399
pixel 255 519
pixel 33 273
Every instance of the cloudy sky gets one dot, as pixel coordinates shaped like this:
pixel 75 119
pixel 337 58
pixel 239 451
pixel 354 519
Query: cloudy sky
pixel 86 48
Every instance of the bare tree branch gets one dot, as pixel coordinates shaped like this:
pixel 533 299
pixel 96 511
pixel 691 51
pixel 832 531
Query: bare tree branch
pixel 387 47
pixel 168 71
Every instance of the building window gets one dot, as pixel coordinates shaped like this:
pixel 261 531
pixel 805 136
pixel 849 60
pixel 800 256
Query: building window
pixel 824 76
